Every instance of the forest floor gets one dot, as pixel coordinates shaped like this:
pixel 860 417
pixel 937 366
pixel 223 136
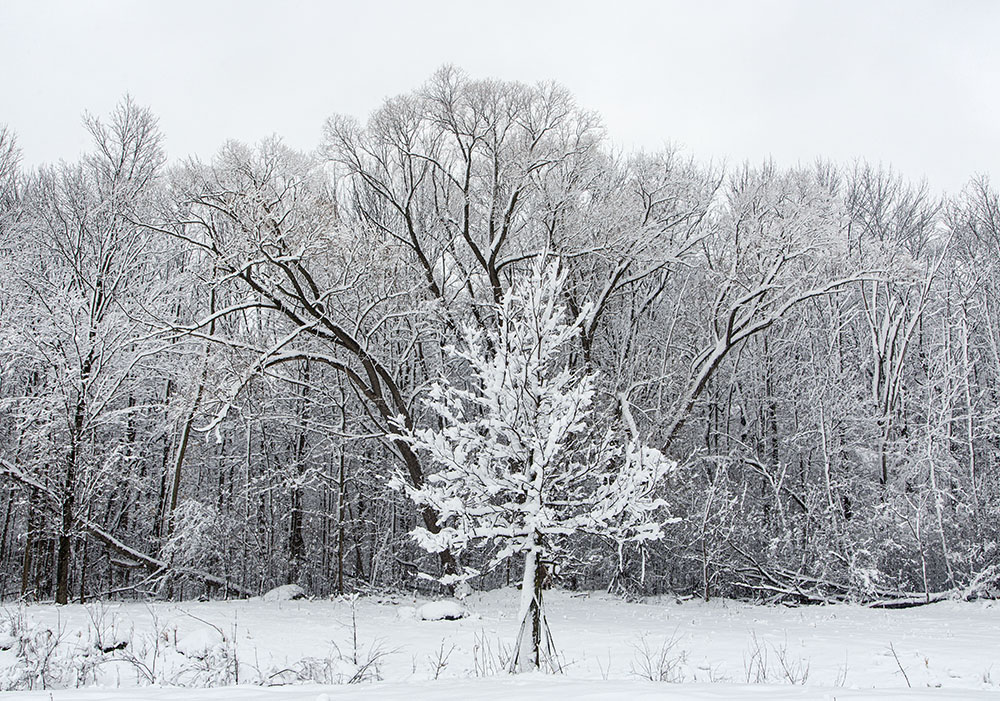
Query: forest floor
pixel 608 648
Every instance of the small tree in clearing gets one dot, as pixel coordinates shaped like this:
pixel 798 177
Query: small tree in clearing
pixel 520 462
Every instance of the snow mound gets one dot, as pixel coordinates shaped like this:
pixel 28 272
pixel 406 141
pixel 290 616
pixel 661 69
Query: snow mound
pixel 7 640
pixel 112 639
pixel 199 643
pixel 286 592
pixel 441 611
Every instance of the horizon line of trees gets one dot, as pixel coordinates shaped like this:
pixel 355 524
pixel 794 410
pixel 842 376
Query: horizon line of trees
pixel 205 367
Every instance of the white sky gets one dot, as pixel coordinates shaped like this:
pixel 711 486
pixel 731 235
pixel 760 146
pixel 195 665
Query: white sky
pixel 913 83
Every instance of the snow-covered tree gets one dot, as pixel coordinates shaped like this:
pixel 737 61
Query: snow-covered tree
pixel 81 279
pixel 521 462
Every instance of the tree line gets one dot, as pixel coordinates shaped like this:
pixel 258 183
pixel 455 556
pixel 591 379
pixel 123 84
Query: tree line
pixel 208 368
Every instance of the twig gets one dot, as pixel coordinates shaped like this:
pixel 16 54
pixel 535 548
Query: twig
pixel 900 665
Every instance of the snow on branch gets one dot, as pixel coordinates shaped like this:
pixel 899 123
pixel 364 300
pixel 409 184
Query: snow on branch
pixel 519 459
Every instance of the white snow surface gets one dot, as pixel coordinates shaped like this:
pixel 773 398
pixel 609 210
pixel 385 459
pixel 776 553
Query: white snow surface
pixel 708 651
pixel 531 687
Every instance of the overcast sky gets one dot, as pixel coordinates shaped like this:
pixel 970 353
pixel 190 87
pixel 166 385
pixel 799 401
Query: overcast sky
pixel 912 83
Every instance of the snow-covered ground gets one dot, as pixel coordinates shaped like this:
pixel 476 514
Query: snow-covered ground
pixel 609 648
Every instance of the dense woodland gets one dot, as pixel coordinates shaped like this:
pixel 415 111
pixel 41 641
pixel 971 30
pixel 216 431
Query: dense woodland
pixel 204 364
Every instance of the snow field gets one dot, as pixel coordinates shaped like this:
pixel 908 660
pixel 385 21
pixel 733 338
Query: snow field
pixel 609 648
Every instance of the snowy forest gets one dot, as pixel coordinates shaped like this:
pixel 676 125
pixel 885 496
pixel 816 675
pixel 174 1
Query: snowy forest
pixel 236 371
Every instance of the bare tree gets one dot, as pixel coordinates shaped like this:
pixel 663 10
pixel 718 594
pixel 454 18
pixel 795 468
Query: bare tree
pixel 80 264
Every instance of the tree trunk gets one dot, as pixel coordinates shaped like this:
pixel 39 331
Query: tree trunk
pixel 29 544
pixel 182 445
pixel 296 541
pixel 341 499
pixel 296 535
pixel 67 505
pixel 532 639
pixel 83 573
pixel 64 553
pixel 178 466
pixel 161 501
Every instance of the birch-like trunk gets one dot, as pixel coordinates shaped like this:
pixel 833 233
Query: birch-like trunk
pixel 528 649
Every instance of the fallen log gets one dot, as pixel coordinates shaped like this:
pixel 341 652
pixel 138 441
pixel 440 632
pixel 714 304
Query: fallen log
pixel 801 588
pixel 908 603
